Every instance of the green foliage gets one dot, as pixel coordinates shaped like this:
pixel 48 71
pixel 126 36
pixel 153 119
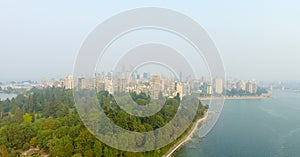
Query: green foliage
pixel 27 118
pixel 261 91
pixel 18 117
pixel 140 124
pixel 140 97
pixel 47 119
pixel 33 142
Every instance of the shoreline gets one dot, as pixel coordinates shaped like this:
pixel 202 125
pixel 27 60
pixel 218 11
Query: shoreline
pixel 236 97
pixel 187 137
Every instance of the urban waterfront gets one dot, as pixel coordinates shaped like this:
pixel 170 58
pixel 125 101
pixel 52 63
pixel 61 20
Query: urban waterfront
pixel 260 128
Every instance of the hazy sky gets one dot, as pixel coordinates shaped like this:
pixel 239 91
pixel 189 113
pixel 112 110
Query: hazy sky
pixel 256 39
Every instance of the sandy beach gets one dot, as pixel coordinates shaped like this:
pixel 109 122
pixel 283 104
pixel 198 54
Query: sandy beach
pixel 187 137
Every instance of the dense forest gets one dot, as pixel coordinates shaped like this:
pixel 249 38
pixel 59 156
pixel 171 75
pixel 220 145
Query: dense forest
pixel 46 122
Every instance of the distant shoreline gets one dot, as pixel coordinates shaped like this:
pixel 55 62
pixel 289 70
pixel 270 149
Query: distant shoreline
pixel 236 97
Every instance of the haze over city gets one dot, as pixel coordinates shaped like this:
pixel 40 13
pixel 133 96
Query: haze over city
pixel 256 39
pixel 142 78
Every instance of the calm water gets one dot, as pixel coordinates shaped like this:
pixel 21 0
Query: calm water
pixel 4 96
pixel 253 128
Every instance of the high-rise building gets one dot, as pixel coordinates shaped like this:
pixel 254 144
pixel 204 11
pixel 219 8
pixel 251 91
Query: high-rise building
pixel 108 85
pixel 218 85
pixel 100 85
pixel 82 83
pixel 146 75
pixel 251 87
pixel 179 89
pixel 209 89
pixel 121 85
pixel 230 84
pixel 155 84
pixel 254 87
pixel 180 77
pixel 55 83
pixel 241 85
pixel 168 87
pixel 69 82
pixel 186 89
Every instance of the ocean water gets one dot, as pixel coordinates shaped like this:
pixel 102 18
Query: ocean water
pixel 4 96
pixel 252 128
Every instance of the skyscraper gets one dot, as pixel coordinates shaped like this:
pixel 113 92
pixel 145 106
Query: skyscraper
pixel 69 82
pixel 179 89
pixel 251 87
pixel 209 89
pixel 155 84
pixel 218 85
pixel 82 83
pixel 241 85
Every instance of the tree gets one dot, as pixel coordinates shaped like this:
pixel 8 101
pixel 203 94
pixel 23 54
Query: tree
pixel 27 118
pixel 88 153
pixel 44 136
pixel 26 146
pixel 141 101
pixel 60 132
pixel 51 109
pixel 33 142
pixel 18 117
pixel 84 141
pixel 77 155
pixel 98 152
pixel 106 151
pixel 61 147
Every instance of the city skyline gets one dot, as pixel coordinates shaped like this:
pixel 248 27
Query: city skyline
pixel 144 82
pixel 149 78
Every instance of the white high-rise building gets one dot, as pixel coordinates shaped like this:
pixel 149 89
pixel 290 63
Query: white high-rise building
pixel 241 85
pixel 209 89
pixel 108 85
pixel 251 87
pixel 179 89
pixel 69 82
pixel 218 85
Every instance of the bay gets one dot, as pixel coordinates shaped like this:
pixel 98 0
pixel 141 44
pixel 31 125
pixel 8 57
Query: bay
pixel 4 96
pixel 247 128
